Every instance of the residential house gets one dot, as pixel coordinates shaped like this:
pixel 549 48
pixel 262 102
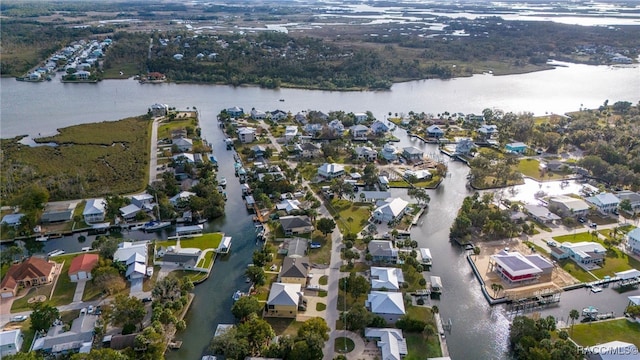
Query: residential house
pixel 417 174
pixel 294 270
pixel 159 110
pixel 464 146
pixel 373 196
pixel 178 57
pixel 235 111
pixel 388 305
pixel 383 251
pixel 412 153
pixel 94 210
pixel 258 114
pixel 283 300
pixel 389 152
pixel 310 150
pixel 258 150
pixel 318 115
pixel 612 350
pixel 359 131
pixel 288 205
pixel 386 278
pixel 554 166
pixel 488 130
pixel 392 344
pixel 378 127
pixel 337 126
pixel 294 225
pixel 633 197
pixel 390 210
pixel 331 171
pixel 633 241
pixel 301 118
pixel 278 115
pixel 10 342
pixel 181 197
pixel 82 75
pixel 434 131
pixel 568 206
pixel 583 253
pixel 360 117
pixel 516 147
pixel 79 338
pixel 32 272
pixel 604 202
pixel 295 247
pixel 541 214
pixel 143 201
pixel 184 158
pixel 12 219
pixel 290 133
pixel 186 258
pixel 58 212
pixel 516 268
pixel 183 144
pixel 81 267
pixel 383 181
pixel 313 128
pixel 246 134
pixel 134 256
pixel 366 153
pixel 129 212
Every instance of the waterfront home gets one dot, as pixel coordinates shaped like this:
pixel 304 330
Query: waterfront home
pixel 81 266
pixel 181 198
pixel 541 214
pixel 516 268
pixel 392 344
pixel 12 219
pixel 186 258
pixel 81 75
pixel 372 196
pixel 182 144
pixel 383 251
pixel 143 201
pixel 300 118
pixel 388 305
pixel 360 117
pixel 583 253
pixel 417 174
pixel 425 256
pixel 366 153
pixel 378 127
pixel 390 210
pixel 290 133
pixel 32 272
pixel 336 125
pixel 294 270
pixel 313 128
pixel 389 152
pixel 516 147
pixel 134 256
pixel 235 111
pixel 434 131
pixel 568 206
pixel 129 212
pixel 464 146
pixel 246 134
pixel 412 154
pixel 10 342
pixel 258 114
pixel 488 130
pixel 330 171
pixel 633 197
pixel 294 225
pixel 604 202
pixel 225 245
pixel 159 109
pixel 383 181
pixel 184 158
pixel 612 350
pixel 94 210
pixel 295 247
pixel 633 241
pixel 386 278
pixel 283 300
pixel 310 150
pixel 288 205
pixel 277 115
pixel 359 131
pixel 78 338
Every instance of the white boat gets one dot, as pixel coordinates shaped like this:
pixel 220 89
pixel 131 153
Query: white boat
pixel 55 252
pixel 596 289
pixel 156 225
pixel 223 182
pixel 208 357
pixel 42 238
pixel 237 295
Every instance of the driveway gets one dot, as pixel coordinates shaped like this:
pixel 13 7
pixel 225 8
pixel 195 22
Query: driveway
pixel 136 286
pixel 77 296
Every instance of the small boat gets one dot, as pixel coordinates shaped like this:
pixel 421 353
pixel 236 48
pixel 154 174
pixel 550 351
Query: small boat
pixel 86 248
pixel 55 252
pixel 176 344
pixel 223 182
pixel 237 295
pixel 596 289
pixel 155 225
pixel 247 280
pixel 208 357
pixel 281 100
pixel 42 238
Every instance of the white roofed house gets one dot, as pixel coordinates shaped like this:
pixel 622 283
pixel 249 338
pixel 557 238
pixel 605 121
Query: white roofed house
pixel 633 197
pixel 633 241
pixel 283 300
pixel 366 153
pixel 289 205
pixel 584 253
pixel 391 210
pixel 425 256
pixel 390 341
pixel 331 171
pixel 389 152
pixel 412 153
pixel 246 134
pixel 10 342
pixel 568 206
pixel 418 174
pixel 134 256
pixel 336 125
pixel 159 110
pixel 94 210
pixel 360 117
pixel 434 131
pixel 383 251
pixel 359 131
pixel 278 115
pixel 386 278
pixel 258 114
pixel 604 202
pixel 290 133
pixel 182 144
pixel 541 214
pixel 143 201
pixel 488 130
pixel 235 111
pixel 388 305
pixel 129 212
pixel 378 127
pixel 181 197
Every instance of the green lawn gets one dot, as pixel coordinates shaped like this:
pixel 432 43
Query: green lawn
pixel 356 267
pixel 149 283
pixel 321 306
pixel 420 347
pixel 577 272
pixel 530 168
pixel 206 241
pixel 166 127
pixel 350 217
pixel 604 331
pixel 283 326
pixel 616 261
pixel 343 345
pixel 207 260
pixel 324 280
pixel 262 292
pixel 321 255
pixel 574 238
pixel 63 294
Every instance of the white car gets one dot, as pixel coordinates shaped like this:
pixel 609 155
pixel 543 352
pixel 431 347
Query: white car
pixel 90 309
pixel 596 289
pixel 19 318
pixel 552 243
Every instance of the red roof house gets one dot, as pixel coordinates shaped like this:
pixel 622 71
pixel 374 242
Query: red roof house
pixel 81 266
pixel 31 272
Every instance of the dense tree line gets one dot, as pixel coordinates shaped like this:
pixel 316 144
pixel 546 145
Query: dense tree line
pixel 531 339
pixel 480 218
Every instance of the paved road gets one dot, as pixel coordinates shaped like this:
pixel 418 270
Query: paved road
pixel 153 152
pixel 544 236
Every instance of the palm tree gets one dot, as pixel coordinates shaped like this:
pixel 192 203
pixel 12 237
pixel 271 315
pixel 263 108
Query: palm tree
pixel 494 287
pixel 434 310
pixel 573 315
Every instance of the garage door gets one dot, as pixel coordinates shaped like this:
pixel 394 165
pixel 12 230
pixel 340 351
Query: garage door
pixel 6 294
pixel 82 275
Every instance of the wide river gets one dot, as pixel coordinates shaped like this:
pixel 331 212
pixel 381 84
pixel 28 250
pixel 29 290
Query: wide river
pixel 479 331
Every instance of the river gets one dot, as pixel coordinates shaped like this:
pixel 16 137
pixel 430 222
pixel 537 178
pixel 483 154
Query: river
pixel 479 331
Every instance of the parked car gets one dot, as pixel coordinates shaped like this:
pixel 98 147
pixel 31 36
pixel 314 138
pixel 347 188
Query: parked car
pixel 582 220
pixel 147 299
pixel 552 243
pixel 19 318
pixel 593 225
pixel 315 245
pixel 90 309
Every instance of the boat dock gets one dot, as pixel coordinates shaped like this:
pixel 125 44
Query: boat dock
pixel 529 303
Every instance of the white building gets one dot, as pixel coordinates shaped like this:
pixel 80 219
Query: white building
pixel 633 241
pixel 568 206
pixel 331 171
pixel 604 202
pixel 388 305
pixel 290 133
pixel 94 210
pixel 390 341
pixel 10 342
pixel 386 278
pixel 391 210
pixel 584 252
pixel 181 196
pixel 246 134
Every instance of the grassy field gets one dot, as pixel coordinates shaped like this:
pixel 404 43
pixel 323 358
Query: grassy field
pixel 206 241
pixel 343 345
pixel 22 304
pixel 321 306
pixel 419 346
pixel 324 280
pixel 321 255
pixel 352 217
pixel 604 331
pixel 283 326
pixel 90 160
pixel 166 127
pixel 531 168
pixel 574 238
pixel 207 260
pixel 576 271
pixel 262 292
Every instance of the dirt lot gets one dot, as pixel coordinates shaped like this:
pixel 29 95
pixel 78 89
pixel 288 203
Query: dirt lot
pixel 558 278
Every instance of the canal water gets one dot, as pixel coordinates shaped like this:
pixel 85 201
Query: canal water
pixel 479 331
